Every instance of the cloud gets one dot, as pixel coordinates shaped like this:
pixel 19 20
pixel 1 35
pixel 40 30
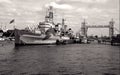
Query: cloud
pixel 92 13
pixel 5 1
pixel 58 0
pixel 60 6
pixel 24 10
pixel 86 10
pixel 94 1
pixel 91 1
pixel 74 11
pixel 69 16
pixel 33 8
pixel 30 21
pixel 85 17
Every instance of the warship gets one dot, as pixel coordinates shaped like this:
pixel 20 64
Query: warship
pixel 46 32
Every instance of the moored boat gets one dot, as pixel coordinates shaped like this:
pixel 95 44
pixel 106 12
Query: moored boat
pixel 1 32
pixel 23 37
pixel 1 35
pixel 45 33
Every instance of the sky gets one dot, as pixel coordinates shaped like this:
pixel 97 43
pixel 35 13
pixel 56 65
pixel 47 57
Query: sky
pixel 31 12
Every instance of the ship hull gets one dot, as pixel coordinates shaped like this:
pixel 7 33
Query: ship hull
pixel 27 38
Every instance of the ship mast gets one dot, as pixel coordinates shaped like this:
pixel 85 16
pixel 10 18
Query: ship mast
pixel 49 15
pixel 64 27
pixel 63 23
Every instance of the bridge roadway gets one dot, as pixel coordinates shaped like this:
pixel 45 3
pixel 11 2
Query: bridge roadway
pixel 98 26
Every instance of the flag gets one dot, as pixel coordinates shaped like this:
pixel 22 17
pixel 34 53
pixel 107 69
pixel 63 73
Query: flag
pixel 12 21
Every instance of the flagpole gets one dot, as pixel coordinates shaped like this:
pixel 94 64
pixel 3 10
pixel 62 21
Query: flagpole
pixel 12 21
pixel 14 26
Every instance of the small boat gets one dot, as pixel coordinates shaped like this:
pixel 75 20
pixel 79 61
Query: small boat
pixel 115 40
pixel 1 32
pixel 1 35
pixel 2 39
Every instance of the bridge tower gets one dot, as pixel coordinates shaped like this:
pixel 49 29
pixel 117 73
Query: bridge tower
pixel 111 28
pixel 84 29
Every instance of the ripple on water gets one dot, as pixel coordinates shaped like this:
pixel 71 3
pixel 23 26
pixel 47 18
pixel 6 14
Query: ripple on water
pixel 77 59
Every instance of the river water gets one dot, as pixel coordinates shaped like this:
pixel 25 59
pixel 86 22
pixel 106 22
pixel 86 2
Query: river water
pixel 72 59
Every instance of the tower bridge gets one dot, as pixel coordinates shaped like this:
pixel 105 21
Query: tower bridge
pixel 110 26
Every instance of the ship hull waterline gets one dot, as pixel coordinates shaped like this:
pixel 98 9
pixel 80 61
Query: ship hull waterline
pixel 27 38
